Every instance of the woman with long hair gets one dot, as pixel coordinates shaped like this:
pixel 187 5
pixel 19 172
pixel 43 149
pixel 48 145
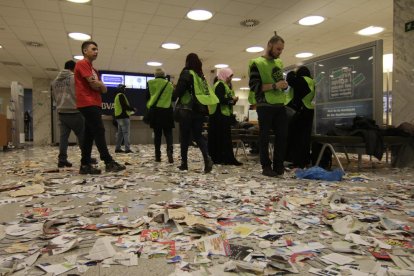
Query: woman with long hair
pixel 194 96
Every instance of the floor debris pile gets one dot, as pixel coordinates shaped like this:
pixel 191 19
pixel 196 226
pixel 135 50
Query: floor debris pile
pixel 153 219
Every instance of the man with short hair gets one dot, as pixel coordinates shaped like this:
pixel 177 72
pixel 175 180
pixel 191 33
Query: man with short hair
pixel 88 100
pixel 70 119
pixel 267 82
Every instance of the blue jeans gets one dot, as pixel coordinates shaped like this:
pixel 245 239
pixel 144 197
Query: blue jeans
pixel 69 122
pixel 123 133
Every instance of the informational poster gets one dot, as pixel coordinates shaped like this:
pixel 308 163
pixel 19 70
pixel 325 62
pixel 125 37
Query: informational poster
pixel 344 89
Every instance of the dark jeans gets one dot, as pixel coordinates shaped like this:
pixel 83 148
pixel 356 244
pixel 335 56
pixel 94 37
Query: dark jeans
pixel 272 118
pixel 168 139
pixel 94 131
pixel 192 123
pixel 69 122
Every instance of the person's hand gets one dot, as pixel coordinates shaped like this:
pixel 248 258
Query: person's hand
pixel 282 85
pixel 235 99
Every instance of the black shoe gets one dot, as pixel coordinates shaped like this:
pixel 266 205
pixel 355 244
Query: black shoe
pixel 128 151
pixel 119 151
pixel 183 167
pixel 62 164
pixel 114 167
pixel 170 158
pixel 88 169
pixel 208 165
pixel 267 171
pixel 279 170
pixel 157 159
pixel 94 161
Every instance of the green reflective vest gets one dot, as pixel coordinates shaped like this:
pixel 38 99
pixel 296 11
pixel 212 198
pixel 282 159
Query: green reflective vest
pixel 203 92
pixel 307 100
pixel 270 72
pixel 226 109
pixel 155 86
pixel 118 107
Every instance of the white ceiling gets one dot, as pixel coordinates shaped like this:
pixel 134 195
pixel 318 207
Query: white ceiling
pixel 129 32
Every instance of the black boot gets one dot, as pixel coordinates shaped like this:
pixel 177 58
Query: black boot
pixel 183 166
pixel 170 154
pixel 157 156
pixel 208 164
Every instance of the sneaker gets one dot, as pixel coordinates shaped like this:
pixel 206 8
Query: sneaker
pixel 114 167
pixel 88 169
pixel 267 171
pixel 119 151
pixel 62 164
pixel 128 151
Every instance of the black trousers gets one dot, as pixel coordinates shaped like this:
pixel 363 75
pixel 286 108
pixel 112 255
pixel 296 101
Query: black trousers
pixel 272 118
pixel 220 146
pixel 168 139
pixel 300 129
pixel 94 131
pixel 192 123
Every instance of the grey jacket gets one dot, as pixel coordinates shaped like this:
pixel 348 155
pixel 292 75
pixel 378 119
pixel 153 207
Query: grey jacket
pixel 63 92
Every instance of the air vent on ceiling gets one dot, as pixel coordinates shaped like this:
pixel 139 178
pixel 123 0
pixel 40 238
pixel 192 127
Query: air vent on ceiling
pixel 33 44
pixel 249 22
pixel 11 63
pixel 51 69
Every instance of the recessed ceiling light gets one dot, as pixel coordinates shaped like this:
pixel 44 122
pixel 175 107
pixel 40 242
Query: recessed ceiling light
pixel 221 66
pixel 236 79
pixel 79 1
pixel 355 57
pixel 311 20
pixel 303 55
pixel 371 30
pixel 78 57
pixel 1 46
pixel 254 49
pixel 154 63
pixel 199 15
pixel 79 36
pixel 171 46
pixel 244 88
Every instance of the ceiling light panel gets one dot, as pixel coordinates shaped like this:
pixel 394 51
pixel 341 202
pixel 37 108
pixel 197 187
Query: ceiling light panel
pixel 171 46
pixel 311 20
pixel 303 55
pixel 254 49
pixel 199 15
pixel 79 36
pixel 371 30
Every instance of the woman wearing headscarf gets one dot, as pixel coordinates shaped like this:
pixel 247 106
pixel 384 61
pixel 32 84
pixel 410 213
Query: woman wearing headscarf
pixel 300 126
pixel 220 146
pixel 159 96
pixel 194 96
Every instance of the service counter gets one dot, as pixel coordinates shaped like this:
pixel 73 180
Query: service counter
pixel 140 133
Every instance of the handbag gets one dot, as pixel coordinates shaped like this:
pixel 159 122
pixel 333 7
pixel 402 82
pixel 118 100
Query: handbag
pixel 149 115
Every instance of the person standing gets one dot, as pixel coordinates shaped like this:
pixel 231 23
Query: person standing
pixel 194 95
pixel 88 101
pixel 267 83
pixel 300 126
pixel 70 119
pixel 122 112
pixel 220 145
pixel 159 97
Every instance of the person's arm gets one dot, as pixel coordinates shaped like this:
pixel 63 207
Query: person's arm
pixel 184 83
pixel 220 92
pixel 96 84
pixel 255 82
pixel 124 104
